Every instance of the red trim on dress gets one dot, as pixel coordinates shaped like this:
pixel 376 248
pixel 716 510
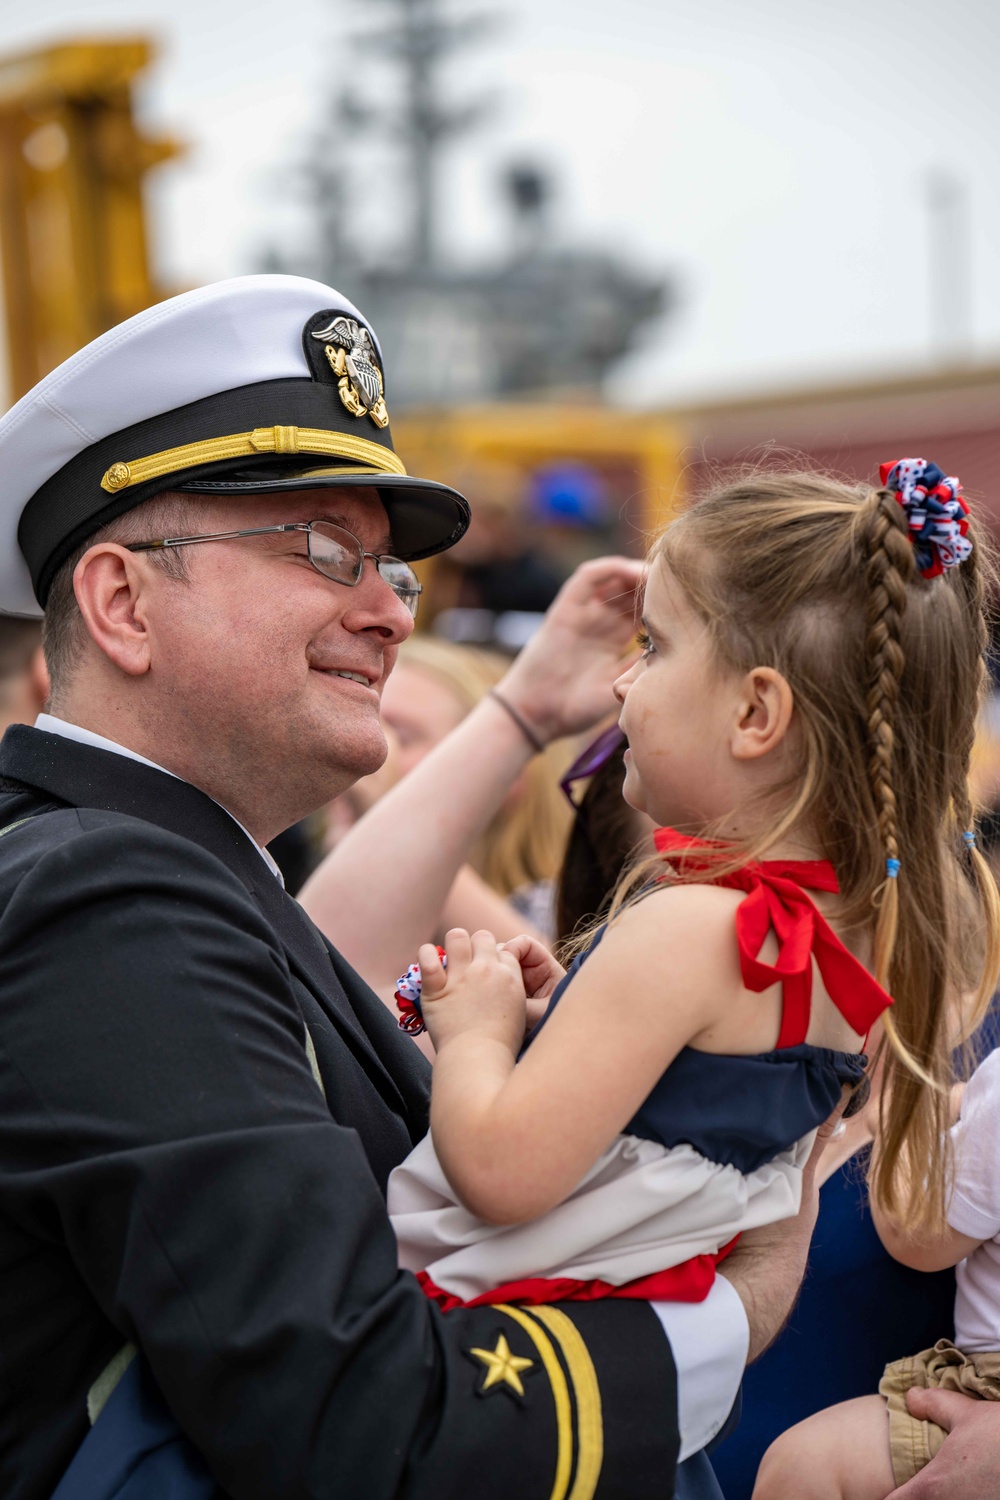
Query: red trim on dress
pixel 691 1281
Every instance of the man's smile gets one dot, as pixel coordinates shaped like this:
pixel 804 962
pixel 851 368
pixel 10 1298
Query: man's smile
pixel 362 677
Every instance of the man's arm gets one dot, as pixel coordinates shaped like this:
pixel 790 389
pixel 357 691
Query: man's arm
pixel 164 1136
pixel 728 1332
pixel 768 1264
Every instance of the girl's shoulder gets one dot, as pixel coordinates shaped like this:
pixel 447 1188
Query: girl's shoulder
pixel 686 933
pixel 709 910
pixel 683 941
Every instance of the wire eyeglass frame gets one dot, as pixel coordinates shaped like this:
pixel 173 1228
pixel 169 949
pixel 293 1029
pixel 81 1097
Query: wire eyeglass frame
pixel 405 585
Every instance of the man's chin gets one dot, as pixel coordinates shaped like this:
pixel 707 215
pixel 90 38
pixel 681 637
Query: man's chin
pixel 350 756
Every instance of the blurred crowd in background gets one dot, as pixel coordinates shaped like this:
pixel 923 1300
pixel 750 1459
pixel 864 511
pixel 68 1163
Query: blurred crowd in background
pixel 518 356
pixel 718 235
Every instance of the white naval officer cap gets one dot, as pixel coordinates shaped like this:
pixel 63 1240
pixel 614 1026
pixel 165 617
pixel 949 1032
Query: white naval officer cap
pixel 256 384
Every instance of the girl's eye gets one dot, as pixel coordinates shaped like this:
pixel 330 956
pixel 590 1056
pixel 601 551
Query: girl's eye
pixel 646 645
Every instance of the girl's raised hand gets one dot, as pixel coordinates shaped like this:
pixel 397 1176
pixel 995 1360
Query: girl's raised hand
pixel 561 682
pixel 481 991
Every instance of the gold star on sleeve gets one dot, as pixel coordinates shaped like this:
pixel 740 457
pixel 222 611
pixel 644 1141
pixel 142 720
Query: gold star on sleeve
pixel 502 1367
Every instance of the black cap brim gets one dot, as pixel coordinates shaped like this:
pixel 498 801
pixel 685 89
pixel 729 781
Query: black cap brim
pixel 424 517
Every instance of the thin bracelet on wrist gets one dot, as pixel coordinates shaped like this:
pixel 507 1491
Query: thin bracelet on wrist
pixel 538 745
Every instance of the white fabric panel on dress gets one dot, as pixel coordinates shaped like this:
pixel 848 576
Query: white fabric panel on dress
pixel 640 1209
pixel 710 1342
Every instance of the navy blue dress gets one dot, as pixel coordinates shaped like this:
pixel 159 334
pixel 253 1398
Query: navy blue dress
pixel 738 1110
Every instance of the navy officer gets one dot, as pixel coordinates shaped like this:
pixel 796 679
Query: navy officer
pixel 200 1100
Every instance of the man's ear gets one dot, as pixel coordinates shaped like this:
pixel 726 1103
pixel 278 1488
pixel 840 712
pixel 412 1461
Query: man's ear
pixel 110 587
pixel 764 714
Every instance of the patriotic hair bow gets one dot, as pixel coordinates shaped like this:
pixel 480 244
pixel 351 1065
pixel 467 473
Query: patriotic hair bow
pixel 935 511
pixel 408 987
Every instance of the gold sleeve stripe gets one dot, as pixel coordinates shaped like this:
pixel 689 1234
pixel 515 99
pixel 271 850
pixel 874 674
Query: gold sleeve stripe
pixel 560 1394
pixel 589 1418
pixel 126 472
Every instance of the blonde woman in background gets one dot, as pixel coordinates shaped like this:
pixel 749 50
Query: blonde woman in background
pixel 506 884
pixel 434 685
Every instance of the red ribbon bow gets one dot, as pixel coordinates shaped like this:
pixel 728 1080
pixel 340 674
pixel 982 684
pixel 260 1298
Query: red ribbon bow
pixel 776 901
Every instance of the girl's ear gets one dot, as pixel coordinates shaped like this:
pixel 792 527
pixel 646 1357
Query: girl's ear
pixel 764 714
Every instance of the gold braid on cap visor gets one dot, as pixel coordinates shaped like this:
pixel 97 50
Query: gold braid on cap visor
pixel 123 474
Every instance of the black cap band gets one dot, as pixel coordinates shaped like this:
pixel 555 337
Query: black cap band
pixel 78 500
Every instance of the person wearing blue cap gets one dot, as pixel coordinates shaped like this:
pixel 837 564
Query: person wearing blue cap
pixel 200 1101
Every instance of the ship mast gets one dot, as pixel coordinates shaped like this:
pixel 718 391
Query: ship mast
pixel 417 38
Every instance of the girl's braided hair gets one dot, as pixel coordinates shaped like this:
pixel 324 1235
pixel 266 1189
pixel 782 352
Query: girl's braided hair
pixel 914 1108
pixel 818 579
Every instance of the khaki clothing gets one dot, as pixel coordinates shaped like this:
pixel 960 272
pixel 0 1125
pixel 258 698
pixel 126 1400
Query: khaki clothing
pixel 914 1443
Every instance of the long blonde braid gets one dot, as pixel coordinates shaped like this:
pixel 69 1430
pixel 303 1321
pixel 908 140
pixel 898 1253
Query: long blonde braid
pixel 890 568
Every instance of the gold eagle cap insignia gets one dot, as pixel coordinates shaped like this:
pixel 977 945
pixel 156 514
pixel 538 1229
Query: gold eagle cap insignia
pixel 353 358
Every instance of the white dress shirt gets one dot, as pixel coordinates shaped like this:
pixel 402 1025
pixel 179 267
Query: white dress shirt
pixel 709 1339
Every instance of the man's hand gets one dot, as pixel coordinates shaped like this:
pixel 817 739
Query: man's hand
pixel 967 1467
pixel 768 1264
pixel 480 991
pixel 561 682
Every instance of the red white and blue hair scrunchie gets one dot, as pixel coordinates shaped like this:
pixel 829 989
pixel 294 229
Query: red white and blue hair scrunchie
pixel 408 988
pixel 936 513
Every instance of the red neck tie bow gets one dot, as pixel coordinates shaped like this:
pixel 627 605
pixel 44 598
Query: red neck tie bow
pixel 776 901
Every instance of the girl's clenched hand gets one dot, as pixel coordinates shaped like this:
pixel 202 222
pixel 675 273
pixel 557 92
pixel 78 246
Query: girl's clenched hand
pixel 539 971
pixel 481 991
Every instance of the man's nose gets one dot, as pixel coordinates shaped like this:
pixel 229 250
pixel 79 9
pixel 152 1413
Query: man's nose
pixel 374 605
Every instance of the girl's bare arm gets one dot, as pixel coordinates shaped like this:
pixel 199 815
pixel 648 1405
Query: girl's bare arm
pixel 923 1251
pixel 514 1142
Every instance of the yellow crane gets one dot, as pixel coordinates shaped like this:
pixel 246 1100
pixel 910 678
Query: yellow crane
pixel 72 227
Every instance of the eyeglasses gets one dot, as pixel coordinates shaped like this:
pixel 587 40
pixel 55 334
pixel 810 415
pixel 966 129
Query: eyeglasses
pixel 596 755
pixel 333 551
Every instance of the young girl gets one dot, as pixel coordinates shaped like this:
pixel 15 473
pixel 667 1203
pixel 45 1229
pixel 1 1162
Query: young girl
pixel 799 724
pixel 864 1449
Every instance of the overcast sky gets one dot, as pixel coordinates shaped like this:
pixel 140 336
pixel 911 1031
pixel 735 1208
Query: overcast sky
pixel 771 155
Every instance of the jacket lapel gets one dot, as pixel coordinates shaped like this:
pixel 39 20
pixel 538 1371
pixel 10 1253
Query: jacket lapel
pixel 309 957
pixel 84 776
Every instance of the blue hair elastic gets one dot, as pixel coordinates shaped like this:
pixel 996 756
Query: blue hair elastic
pixel 891 868
pixel 969 838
